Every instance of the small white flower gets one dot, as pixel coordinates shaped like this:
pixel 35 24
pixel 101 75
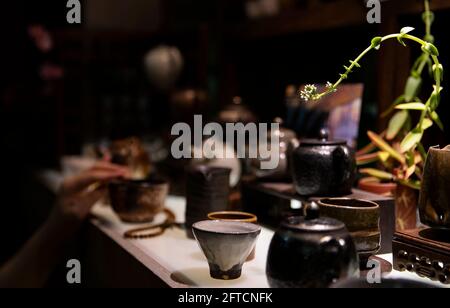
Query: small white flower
pixel 309 92
pixel 331 87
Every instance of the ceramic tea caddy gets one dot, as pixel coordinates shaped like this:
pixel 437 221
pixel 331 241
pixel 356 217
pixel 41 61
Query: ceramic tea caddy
pixel 311 252
pixel 323 167
pixel 434 201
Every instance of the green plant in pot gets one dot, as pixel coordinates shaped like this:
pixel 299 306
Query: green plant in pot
pixel 398 151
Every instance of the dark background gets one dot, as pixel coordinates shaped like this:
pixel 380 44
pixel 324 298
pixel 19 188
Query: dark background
pixel 104 92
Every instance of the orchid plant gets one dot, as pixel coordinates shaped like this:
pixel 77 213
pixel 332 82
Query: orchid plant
pixel 399 149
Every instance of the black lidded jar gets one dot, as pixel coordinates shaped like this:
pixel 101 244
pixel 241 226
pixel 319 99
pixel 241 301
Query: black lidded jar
pixel 322 167
pixel 311 252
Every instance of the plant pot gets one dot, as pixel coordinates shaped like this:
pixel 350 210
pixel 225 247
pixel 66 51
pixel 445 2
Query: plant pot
pixel 373 185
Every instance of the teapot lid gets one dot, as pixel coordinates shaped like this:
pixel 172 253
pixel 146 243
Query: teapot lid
pixel 312 222
pixel 323 140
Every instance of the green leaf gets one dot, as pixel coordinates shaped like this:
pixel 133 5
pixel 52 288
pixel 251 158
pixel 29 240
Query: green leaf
pixel 409 158
pixel 376 42
pixel 435 99
pixel 396 124
pixel 431 49
pixel 410 184
pixel 399 100
pixel 435 117
pixel 366 159
pixel 430 67
pixel 383 156
pixel 427 15
pixel 411 140
pixel 427 123
pixel 406 30
pixel 400 40
pixel 355 63
pixel 384 146
pixel 438 71
pixel 429 38
pixel 383 175
pixel 412 87
pixel 412 106
pixel 423 153
pixel 367 149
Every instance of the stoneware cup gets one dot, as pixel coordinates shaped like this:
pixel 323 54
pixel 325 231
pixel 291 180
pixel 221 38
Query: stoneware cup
pixel 226 245
pixel 362 219
pixel 239 217
pixel 138 201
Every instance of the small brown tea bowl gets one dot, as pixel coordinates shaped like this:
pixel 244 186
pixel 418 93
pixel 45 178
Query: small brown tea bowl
pixel 226 245
pixel 362 219
pixel 138 201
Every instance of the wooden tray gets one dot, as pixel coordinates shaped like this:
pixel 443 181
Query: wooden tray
pixel 425 252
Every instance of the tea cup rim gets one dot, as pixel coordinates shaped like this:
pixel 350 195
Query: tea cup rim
pixel 252 228
pixel 246 217
pixel 373 206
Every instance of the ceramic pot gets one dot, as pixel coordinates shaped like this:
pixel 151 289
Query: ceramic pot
pixel 323 167
pixel 434 201
pixel 362 219
pixel 286 138
pixel 138 201
pixel 226 245
pixel 311 252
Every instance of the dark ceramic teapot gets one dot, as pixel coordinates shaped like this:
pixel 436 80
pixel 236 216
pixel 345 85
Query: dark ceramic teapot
pixel 322 167
pixel 311 252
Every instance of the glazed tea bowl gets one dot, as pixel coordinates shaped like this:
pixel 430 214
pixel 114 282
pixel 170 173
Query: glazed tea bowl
pixel 239 217
pixel 362 219
pixel 138 201
pixel 226 245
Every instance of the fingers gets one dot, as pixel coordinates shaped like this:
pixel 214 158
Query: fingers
pixel 100 172
pixel 79 206
pixel 107 166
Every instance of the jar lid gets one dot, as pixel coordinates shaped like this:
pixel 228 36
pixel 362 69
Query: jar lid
pixel 323 140
pixel 312 222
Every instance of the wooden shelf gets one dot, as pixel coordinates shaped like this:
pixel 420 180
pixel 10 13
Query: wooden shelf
pixel 324 16
pixel 321 17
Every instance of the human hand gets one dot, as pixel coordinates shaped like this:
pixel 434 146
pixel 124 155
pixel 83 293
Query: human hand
pixel 80 192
